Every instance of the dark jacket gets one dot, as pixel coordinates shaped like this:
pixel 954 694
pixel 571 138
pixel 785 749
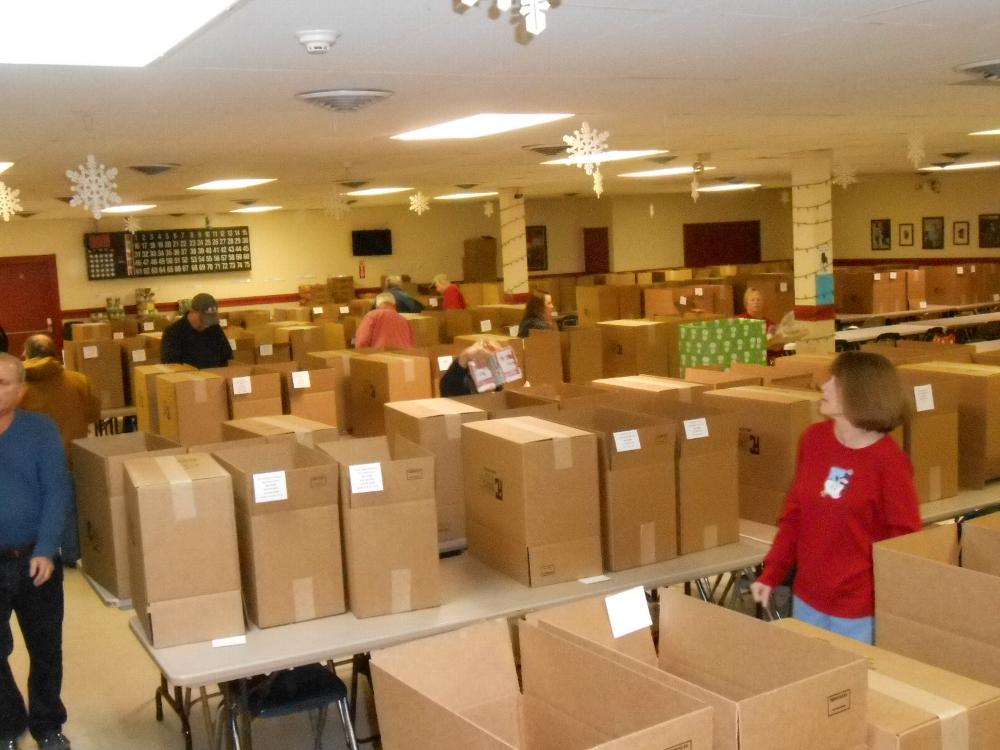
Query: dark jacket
pixel 532 324
pixel 404 302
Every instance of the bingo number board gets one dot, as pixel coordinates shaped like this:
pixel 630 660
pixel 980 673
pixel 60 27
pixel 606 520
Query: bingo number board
pixel 166 252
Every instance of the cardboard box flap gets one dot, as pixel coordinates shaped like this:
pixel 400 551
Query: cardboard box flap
pixel 957 368
pixel 278 425
pixel 628 323
pixel 286 455
pixel 523 430
pixel 124 443
pixel 651 383
pixel 422 408
pixel 359 450
pixel 771 394
pixel 981 545
pixel 178 469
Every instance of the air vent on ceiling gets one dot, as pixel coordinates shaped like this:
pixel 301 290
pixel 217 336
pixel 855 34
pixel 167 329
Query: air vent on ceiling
pixel 344 100
pixel 551 150
pixel 65 198
pixel 986 72
pixel 661 159
pixel 175 215
pixel 466 185
pixel 246 201
pixel 354 184
pixel 25 214
pixel 153 169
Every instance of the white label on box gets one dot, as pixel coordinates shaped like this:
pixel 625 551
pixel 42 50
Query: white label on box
pixel 300 379
pixel 923 304
pixel 960 271
pixel 445 362
pixel 699 292
pixel 892 275
pixel 683 300
pixel 627 440
pixel 996 297
pixel 90 352
pixel 318 310
pixel 972 269
pixel 783 286
pixel 138 355
pixel 269 487
pixel 485 326
pixel 593 579
pixel 344 310
pixel 266 350
pixel 118 335
pixel 512 330
pixel 223 322
pixel 878 277
pixel 366 478
pixel 696 428
pixel 242 386
pixel 232 344
pixel 148 326
pixel 628 611
pixel 923 395
pixel 433 301
pixel 233 640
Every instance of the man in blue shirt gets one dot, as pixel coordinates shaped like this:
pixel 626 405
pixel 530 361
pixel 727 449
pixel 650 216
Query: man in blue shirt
pixel 35 493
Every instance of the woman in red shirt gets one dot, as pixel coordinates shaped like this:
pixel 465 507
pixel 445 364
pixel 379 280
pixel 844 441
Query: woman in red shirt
pixel 853 487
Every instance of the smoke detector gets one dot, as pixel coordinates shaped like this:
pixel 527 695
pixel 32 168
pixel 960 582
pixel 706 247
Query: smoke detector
pixel 317 41
pixel 344 100
pixel 984 72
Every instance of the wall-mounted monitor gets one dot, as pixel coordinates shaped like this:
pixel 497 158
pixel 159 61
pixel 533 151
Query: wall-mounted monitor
pixel 371 242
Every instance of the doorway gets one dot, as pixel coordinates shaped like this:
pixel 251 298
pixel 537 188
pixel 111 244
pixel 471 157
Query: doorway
pixel 721 243
pixel 596 250
pixel 30 300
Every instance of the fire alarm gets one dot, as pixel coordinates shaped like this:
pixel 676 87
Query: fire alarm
pixel 317 41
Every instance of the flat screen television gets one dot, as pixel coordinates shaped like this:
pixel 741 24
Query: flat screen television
pixel 371 242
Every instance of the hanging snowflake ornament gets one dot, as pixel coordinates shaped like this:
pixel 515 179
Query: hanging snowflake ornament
pixel 488 209
pixel 9 204
pixel 784 198
pixel 503 5
pixel 132 224
pixel 338 207
pixel 844 176
pixel 915 151
pixel 94 186
pixel 419 203
pixel 694 187
pixel 534 15
pixel 585 146
pixel 652 210
pixel 598 181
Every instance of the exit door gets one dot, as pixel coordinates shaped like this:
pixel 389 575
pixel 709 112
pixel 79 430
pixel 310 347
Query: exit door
pixel 29 303
pixel 595 250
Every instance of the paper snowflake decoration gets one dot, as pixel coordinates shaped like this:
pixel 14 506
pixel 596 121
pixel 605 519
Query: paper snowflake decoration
pixel 488 209
pixel 598 181
pixel 503 5
pixel 419 203
pixel 338 207
pixel 915 151
pixel 9 204
pixel 844 176
pixel 652 210
pixel 694 187
pixel 94 186
pixel 784 198
pixel 132 224
pixel 585 147
pixel 534 15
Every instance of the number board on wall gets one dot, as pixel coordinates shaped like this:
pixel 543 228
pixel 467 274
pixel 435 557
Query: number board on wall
pixel 167 252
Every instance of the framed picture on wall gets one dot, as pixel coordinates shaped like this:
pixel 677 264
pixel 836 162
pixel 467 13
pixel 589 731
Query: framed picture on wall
pixel 881 234
pixel 933 232
pixel 960 233
pixel 538 248
pixel 905 235
pixel 989 230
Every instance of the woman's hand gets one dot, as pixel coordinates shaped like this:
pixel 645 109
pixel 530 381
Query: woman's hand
pixel 761 593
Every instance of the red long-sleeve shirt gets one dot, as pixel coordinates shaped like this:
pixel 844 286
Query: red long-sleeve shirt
pixel 841 501
pixel 384 328
pixel 452 298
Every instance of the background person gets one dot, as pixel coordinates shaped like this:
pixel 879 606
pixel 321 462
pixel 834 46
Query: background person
pixel 451 295
pixel 753 306
pixel 197 339
pixel 404 302
pixel 539 314
pixel 853 487
pixel 383 327
pixel 456 380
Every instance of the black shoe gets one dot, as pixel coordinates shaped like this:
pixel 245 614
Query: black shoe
pixel 53 741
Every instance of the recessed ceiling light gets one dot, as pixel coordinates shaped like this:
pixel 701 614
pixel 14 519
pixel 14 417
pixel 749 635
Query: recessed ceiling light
pixel 5 165
pixel 255 209
pixel 986 132
pixel 378 191
pixel 232 184
pixel 665 172
pixel 729 186
pixel 464 196
pixel 606 156
pixel 955 167
pixel 133 208
pixel 47 33
pixel 477 126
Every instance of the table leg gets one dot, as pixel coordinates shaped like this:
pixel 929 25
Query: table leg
pixel 233 712
pixel 703 590
pixel 176 702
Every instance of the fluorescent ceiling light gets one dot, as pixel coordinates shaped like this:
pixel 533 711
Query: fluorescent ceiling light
pixel 255 209
pixel 665 172
pixel 232 184
pixel 464 196
pixel 129 209
pixel 5 165
pixel 955 167
pixel 478 126
pixel 729 186
pixel 378 191
pixel 606 156
pixel 986 132
pixel 121 33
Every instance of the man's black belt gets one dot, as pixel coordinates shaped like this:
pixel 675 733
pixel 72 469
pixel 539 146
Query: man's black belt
pixel 16 553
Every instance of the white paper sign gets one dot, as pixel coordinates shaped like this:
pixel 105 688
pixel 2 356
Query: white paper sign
pixel 232 344
pixel 628 611
pixel 223 322
pixel 233 640
pixel 433 301
pixel 242 386
pixel 318 310
pixel 365 478
pixel 972 269
pixel 593 579
pixel 148 326
pixel 699 292
pixel 345 310
pixel 485 326
pixel 627 440
pixel 960 271
pixel 90 352
pixel 892 275
pixel 269 487
pixel 138 355
pixel 923 304
pixel 923 395
pixel 683 300
pixel 996 297
pixel 878 277
pixel 300 379
pixel 695 428
pixel 511 330
pixel 118 335
pixel 266 350
pixel 445 362
pixel 783 286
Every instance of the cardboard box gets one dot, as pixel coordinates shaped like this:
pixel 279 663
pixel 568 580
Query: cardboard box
pixel 507 403
pixel 341 287
pixel 722 342
pixel 770 423
pixel 596 303
pixel 582 353
pixel 543 362
pixel 90 331
pixel 304 340
pixel 317 394
pixel 777 290
pixel 479 261
pixel 813 697
pixel 144 393
pixel 377 379
pixel 340 362
pixel 931 432
pixel 101 361
pixel 426 329
pixel 637 390
pixel 950 285
pixel 912 706
pixel 515 520
pixel 571 696
pixel 866 291
pixel 634 347
pixel 638 527
pixel 390 525
pixel 250 394
pixel 277 428
pixel 436 425
pixel 716 379
pixel 483 292
pixel 916 289
pixel 289 531
pixel 566 395
pixel 191 406
pixel 936 596
pixel 294 314
pixel 439 358
pixel 135 325
pixel 905 351
pixel 98 477
pixel 183 559
pixel 673 325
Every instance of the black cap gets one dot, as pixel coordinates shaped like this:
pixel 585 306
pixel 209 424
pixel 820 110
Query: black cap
pixel 206 305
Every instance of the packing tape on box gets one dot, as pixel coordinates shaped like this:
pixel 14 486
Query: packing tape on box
pixel 401 589
pixel 304 598
pixel 453 426
pixel 409 371
pixel 710 536
pixel 562 446
pixel 200 391
pixel 934 483
pixel 954 717
pixel 303 433
pixel 647 543
pixel 181 487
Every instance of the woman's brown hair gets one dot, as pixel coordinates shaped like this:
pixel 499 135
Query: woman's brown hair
pixel 870 391
pixel 535 306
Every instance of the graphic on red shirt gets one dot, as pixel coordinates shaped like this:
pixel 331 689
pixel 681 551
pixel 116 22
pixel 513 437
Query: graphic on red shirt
pixel 836 482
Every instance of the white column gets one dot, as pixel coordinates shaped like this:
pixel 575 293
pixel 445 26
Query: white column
pixel 812 243
pixel 513 245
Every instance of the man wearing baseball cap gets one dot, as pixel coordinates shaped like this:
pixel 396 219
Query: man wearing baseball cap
pixel 197 339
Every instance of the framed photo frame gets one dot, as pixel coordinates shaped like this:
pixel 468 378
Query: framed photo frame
pixel 933 232
pixel 881 234
pixel 960 233
pixel 538 247
pixel 989 230
pixel 906 235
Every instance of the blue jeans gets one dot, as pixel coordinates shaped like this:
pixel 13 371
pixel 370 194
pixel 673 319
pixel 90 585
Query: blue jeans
pixel 39 612
pixel 859 628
